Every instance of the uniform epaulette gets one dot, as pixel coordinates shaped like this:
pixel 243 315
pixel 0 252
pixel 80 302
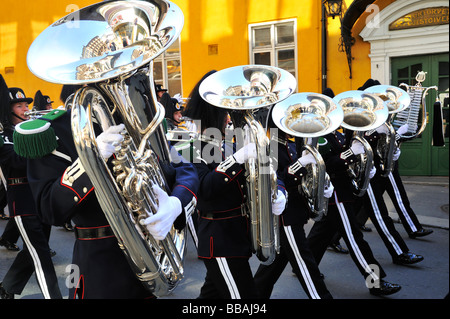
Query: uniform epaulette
pixel 36 138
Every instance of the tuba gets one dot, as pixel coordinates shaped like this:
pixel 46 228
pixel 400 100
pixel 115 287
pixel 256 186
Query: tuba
pixel 109 48
pixel 310 115
pixel 362 112
pixel 417 113
pixel 396 101
pixel 243 90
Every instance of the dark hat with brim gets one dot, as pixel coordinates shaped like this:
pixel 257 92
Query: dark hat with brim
pixel 17 95
pixel 369 83
pixel 41 101
pixel 177 105
pixel 328 92
pixel 159 88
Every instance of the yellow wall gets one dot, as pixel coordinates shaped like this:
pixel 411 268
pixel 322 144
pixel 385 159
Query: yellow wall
pixel 20 23
pixel 225 23
pixel 221 22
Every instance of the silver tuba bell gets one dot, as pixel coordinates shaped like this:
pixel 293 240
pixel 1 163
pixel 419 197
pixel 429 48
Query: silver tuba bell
pixel 362 112
pixel 396 101
pixel 108 48
pixel 310 115
pixel 243 90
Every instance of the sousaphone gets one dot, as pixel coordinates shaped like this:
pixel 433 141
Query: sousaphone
pixel 396 101
pixel 310 115
pixel 242 90
pixel 109 48
pixel 362 112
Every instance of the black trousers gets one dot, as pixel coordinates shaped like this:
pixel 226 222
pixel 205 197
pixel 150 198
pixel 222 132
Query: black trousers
pixel 228 278
pixel 341 218
pixel 34 257
pixel 399 198
pixel 295 250
pixel 375 208
pixel 11 232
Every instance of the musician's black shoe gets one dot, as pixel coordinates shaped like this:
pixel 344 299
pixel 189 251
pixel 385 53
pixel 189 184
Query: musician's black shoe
pixel 8 245
pixel 385 288
pixel 420 233
pixel 338 248
pixel 365 228
pixel 4 294
pixel 407 259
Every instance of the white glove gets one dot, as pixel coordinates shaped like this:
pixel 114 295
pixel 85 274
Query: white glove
pixel 108 140
pixel 382 129
pixel 372 172
pixel 402 129
pixel 280 204
pixel 396 154
pixel 169 208
pixel 328 191
pixel 307 158
pixel 357 148
pixel 178 98
pixel 245 153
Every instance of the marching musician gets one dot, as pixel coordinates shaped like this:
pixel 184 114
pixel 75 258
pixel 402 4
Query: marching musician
pixel 294 245
pixel 338 154
pixel 223 228
pixel 42 102
pixel 63 190
pixel 35 256
pixel 174 114
pixel 375 206
pixel 399 197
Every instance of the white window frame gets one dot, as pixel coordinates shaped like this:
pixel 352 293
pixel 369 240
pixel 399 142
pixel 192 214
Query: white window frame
pixel 273 48
pixel 163 59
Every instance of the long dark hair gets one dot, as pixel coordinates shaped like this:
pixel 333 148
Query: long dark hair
pixel 198 109
pixel 5 105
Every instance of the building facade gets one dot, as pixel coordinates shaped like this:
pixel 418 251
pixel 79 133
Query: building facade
pixel 387 40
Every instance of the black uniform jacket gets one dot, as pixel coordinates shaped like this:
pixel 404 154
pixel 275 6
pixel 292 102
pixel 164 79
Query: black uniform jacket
pixel 334 148
pixel 373 138
pixel 63 190
pixel 296 212
pixel 223 226
pixel 14 167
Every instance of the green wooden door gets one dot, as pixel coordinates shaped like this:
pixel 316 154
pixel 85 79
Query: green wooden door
pixel 419 156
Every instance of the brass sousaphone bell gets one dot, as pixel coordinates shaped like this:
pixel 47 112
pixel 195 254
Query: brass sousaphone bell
pixel 310 115
pixel 109 48
pixel 242 90
pixel 396 100
pixel 362 112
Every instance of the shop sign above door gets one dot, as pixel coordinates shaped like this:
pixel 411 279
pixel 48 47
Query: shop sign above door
pixel 421 18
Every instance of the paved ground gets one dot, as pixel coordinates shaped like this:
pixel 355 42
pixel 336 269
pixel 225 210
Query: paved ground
pixel 426 280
